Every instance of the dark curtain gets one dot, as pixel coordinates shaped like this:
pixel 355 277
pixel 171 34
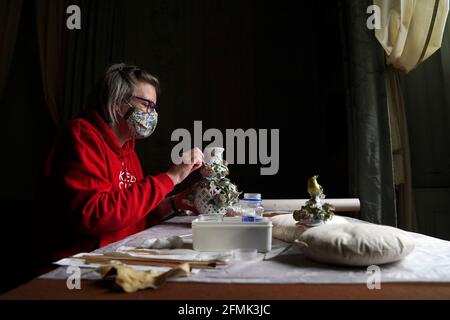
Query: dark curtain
pixel 370 161
pixel 100 42
pixel 52 37
pixel 27 131
pixel 10 13
pixel 427 98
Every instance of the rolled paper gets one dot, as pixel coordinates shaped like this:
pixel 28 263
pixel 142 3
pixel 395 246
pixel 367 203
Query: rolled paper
pixel 174 242
pixel 340 205
pixel 148 243
pixel 162 243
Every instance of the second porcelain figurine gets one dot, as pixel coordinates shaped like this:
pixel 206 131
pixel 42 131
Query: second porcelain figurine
pixel 315 211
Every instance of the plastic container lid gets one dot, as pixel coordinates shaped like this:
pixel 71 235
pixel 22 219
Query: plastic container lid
pixel 210 217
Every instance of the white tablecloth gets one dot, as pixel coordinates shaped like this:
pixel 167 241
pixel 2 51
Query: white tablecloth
pixel 429 262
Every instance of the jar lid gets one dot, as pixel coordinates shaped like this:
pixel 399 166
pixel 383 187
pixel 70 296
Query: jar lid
pixel 252 196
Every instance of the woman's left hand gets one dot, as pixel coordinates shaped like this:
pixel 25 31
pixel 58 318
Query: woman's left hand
pixel 184 201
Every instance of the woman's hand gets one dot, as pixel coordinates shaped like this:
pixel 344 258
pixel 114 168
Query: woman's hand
pixel 184 201
pixel 169 207
pixel 190 161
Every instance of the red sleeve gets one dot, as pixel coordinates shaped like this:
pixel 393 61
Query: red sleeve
pixel 90 195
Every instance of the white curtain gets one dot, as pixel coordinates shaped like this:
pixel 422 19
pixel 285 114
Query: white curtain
pixel 410 32
pixel 401 156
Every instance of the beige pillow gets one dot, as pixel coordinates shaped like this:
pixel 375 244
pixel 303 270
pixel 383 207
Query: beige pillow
pixel 285 228
pixel 356 244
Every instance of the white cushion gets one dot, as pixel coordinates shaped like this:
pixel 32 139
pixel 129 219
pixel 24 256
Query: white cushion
pixel 285 228
pixel 356 244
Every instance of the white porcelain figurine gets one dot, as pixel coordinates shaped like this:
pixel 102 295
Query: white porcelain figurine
pixel 215 193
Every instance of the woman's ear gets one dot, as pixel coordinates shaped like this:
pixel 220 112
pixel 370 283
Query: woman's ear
pixel 122 109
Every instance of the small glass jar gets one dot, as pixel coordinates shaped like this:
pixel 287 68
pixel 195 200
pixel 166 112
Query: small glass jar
pixel 251 207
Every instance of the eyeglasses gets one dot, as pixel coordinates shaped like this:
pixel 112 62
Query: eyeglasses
pixel 148 104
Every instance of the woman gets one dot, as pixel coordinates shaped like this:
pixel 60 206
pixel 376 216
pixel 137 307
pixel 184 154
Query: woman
pixel 99 194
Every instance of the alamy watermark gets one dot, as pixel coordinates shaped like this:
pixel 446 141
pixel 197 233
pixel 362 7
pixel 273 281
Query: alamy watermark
pixel 374 20
pixel 235 144
pixel 374 278
pixel 74 279
pixel 74 19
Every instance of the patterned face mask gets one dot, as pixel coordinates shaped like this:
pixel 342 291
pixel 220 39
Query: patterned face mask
pixel 141 124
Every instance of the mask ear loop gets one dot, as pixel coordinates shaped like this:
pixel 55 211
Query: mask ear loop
pixel 129 112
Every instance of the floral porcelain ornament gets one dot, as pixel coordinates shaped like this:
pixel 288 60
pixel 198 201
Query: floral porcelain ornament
pixel 315 211
pixel 215 193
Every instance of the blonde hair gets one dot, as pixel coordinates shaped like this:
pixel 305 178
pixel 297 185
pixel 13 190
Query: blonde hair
pixel 117 87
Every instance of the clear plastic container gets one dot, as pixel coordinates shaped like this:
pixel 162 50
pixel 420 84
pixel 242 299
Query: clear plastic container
pixel 231 234
pixel 251 207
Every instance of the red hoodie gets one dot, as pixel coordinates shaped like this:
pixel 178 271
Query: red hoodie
pixel 104 194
